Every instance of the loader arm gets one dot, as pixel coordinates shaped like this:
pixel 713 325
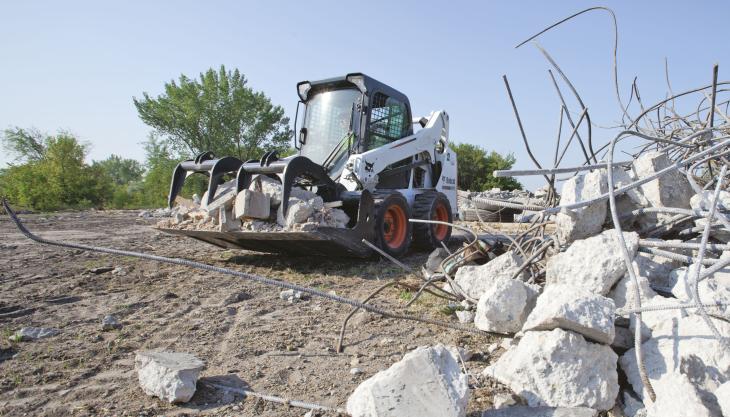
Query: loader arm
pixel 362 171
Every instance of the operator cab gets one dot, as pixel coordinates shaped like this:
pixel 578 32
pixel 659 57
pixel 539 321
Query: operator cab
pixel 350 114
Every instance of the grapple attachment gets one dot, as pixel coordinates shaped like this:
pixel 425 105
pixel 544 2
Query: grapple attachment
pixel 203 163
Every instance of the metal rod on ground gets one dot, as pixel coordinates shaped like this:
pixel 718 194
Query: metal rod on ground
pixel 387 256
pixel 275 399
pixel 250 277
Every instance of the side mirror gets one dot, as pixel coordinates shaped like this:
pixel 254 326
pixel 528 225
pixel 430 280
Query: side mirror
pixel 303 136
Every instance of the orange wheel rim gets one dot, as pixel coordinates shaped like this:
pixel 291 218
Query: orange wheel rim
pixel 441 214
pixel 395 226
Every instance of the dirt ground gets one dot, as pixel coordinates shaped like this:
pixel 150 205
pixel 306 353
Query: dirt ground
pixel 244 332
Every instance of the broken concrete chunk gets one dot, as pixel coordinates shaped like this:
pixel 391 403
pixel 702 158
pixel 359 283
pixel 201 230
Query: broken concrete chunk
pixel 559 368
pixel 433 264
pixel 252 204
pixel 426 382
pixel 474 280
pixel 524 411
pixel 712 290
pixel 226 221
pixel 170 376
pixel 723 398
pixel 631 404
pixel 504 305
pixel 269 186
pixel 585 221
pixel 576 309
pixel 292 296
pixel 596 263
pixel 33 333
pixel 224 196
pixel 465 316
pixel 676 396
pixel 669 190
pixel 682 345
pixel 703 201
pixel 624 292
pixel 110 322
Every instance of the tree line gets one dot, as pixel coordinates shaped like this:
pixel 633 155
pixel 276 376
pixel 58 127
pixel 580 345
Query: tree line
pixel 215 112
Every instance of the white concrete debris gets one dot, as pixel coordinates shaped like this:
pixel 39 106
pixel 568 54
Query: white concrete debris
pixel 465 316
pixel 252 204
pixel 723 398
pixel 170 376
pixel 595 263
pixel 291 295
pixel 224 196
pixel 559 368
pixel 713 289
pixel 586 221
pixel 576 309
pixel 703 201
pixel 109 322
pixel 681 345
pixel 504 305
pixel 503 400
pixel 26 334
pixel 677 397
pixel 269 186
pixel 656 268
pixel 426 382
pixel 631 405
pixel 669 190
pixel 524 411
pixel 475 280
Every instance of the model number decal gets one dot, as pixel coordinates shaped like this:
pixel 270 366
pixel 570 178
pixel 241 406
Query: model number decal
pixel 448 180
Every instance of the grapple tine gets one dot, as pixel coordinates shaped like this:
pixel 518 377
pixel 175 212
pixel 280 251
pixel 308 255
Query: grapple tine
pixel 178 179
pixel 203 163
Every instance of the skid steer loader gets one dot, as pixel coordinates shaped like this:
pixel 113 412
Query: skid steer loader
pixel 356 145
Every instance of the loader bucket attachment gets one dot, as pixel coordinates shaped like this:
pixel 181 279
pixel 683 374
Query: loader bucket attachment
pixel 203 163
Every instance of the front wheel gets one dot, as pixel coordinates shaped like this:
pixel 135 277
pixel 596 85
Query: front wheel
pixel 392 228
pixel 432 206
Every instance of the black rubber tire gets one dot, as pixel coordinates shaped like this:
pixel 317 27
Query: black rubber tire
pixel 424 207
pixel 383 201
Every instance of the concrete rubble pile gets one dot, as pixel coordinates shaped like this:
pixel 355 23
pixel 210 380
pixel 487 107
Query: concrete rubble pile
pixel 489 206
pixel 256 209
pixel 570 308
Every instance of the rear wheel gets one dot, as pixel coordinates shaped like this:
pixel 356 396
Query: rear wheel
pixel 392 228
pixel 432 206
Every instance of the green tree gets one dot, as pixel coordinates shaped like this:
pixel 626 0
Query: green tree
pixel 52 176
pixel 476 167
pixel 217 112
pixel 121 170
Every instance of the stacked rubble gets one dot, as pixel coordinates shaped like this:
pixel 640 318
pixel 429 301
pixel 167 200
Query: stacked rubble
pixel 570 301
pixel 495 205
pixel 256 209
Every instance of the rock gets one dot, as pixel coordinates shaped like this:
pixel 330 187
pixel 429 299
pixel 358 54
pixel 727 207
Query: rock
pixel 291 295
pixel 270 187
pixel 433 264
pixel 559 368
pixel 170 376
pixel 631 404
pixel 713 289
pixel 656 268
pixel 623 339
pixel 723 398
pixel 595 263
pixel 523 411
pixel 503 400
pixel 585 221
pixel 703 201
pixel 426 382
pixel 682 345
pixel 120 270
pixel 669 190
pixel 576 309
pixel 474 280
pixel 676 396
pixel 27 334
pixel 224 196
pixel 504 305
pixel 109 322
pixel 623 293
pixel 252 204
pixel 101 270
pixel 356 371
pixel 465 316
pixel 227 222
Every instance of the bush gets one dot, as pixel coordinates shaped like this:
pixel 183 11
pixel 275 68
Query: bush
pixel 56 178
pixel 476 166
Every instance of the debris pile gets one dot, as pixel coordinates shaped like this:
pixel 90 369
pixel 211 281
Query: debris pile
pixel 257 209
pixel 495 205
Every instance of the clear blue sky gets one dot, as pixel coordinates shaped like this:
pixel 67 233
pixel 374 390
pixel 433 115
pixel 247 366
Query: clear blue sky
pixel 76 65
